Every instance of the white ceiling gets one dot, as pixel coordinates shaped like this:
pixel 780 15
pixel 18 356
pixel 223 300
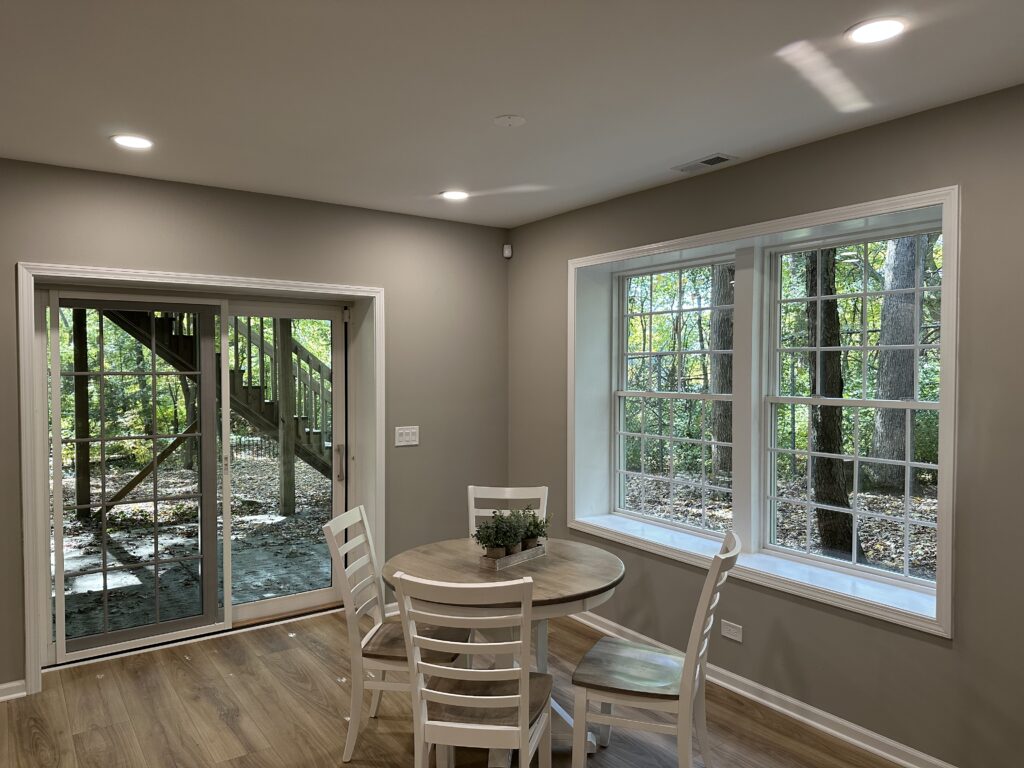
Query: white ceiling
pixel 384 103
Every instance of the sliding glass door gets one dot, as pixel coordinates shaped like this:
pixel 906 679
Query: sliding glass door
pixel 151 401
pixel 287 434
pixel 134 411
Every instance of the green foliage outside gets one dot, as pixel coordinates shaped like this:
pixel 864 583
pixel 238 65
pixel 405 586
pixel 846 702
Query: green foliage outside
pixel 879 321
pixel 314 335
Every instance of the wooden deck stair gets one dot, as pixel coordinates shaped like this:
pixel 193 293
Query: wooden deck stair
pixel 254 378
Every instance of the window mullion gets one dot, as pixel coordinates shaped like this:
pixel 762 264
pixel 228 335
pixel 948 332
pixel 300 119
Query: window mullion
pixel 746 390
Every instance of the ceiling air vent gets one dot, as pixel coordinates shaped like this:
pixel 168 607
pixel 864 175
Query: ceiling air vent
pixel 704 164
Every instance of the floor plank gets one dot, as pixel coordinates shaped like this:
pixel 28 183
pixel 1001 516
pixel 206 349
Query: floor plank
pixel 278 697
pixel 39 730
pixel 114 746
pixel 92 696
pixel 275 637
pixel 266 758
pixel 305 736
pixel 326 638
pixel 6 747
pixel 307 682
pixel 224 726
pixel 161 722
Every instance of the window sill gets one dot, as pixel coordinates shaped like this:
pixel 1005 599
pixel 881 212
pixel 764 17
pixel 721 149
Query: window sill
pixel 901 604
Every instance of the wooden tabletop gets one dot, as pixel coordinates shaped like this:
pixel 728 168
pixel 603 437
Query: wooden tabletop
pixel 570 571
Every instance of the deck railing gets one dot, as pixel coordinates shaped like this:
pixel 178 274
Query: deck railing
pixel 253 351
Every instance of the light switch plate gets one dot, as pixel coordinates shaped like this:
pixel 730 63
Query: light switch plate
pixel 407 436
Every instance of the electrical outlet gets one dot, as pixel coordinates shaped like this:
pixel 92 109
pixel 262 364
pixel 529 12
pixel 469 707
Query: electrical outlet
pixel 732 631
pixel 407 436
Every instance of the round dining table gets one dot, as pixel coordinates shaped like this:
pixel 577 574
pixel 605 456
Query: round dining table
pixel 570 578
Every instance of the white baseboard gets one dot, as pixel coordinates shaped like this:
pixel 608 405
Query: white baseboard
pixel 841 729
pixel 12 690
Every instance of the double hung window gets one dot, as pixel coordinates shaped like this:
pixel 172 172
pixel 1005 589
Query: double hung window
pixel 854 402
pixel 675 400
pixel 792 381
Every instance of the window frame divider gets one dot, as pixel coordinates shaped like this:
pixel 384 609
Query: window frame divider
pixel 746 403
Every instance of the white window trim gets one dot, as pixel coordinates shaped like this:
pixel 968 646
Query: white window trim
pixel 927 609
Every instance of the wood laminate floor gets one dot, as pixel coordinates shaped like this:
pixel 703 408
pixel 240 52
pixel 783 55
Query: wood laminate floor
pixel 278 697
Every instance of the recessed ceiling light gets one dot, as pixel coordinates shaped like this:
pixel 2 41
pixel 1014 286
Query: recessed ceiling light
pixel 509 121
pixel 876 30
pixel 129 141
pixel 454 194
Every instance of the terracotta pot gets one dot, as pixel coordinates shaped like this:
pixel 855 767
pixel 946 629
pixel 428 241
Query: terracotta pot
pixel 495 553
pixel 515 549
pixel 531 543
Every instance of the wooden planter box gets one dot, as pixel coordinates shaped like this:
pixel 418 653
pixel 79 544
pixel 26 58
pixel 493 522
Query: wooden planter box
pixel 497 564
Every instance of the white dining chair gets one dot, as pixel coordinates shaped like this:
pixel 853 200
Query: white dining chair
pixel 622 673
pixel 381 650
pixel 485 500
pixel 502 707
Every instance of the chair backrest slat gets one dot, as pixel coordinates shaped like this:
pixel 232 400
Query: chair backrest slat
pixel 368 582
pixel 460 673
pixel 476 702
pixel 503 611
pixel 367 606
pixel 511 648
pixel 348 546
pixel 485 500
pixel 357 566
pixel 466 622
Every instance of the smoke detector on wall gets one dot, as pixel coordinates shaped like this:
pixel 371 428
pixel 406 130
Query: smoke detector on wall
pixel 705 164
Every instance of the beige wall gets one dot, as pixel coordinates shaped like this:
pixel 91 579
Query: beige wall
pixel 958 700
pixel 445 302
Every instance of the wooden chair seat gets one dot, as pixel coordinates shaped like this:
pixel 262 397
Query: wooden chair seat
pixel 620 666
pixel 540 695
pixel 388 642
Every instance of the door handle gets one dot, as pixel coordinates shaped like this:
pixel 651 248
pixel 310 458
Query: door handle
pixel 340 448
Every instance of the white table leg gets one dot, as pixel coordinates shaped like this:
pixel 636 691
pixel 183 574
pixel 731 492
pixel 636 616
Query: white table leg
pixel 499 758
pixel 540 645
pixel 604 732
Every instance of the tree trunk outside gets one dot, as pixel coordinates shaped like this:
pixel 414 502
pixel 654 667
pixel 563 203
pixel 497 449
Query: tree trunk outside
pixel 828 477
pixel 702 344
pixel 895 366
pixel 286 409
pixel 80 344
pixel 722 293
pixel 191 394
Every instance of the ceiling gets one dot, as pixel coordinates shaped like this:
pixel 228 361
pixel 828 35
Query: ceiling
pixel 384 104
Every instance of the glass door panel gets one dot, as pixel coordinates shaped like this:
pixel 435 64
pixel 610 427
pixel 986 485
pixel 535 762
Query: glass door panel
pixel 286 372
pixel 137 472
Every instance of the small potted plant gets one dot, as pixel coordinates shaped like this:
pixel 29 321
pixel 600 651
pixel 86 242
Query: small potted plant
pixel 511 531
pixel 536 528
pixel 489 536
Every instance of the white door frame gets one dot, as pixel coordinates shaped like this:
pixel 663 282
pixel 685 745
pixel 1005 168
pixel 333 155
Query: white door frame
pixel 367 434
